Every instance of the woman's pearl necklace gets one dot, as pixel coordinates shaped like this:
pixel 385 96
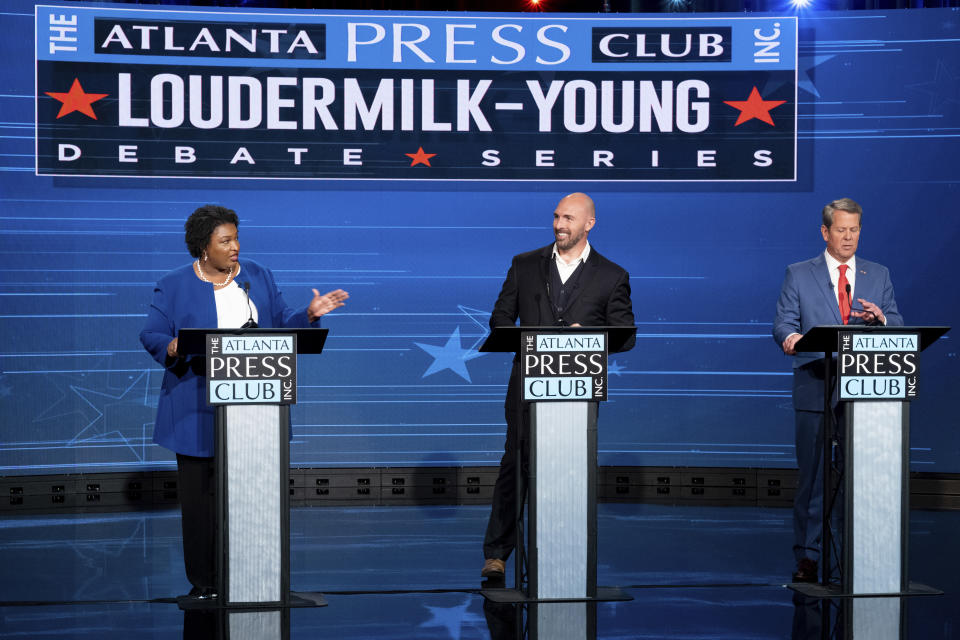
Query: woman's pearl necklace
pixel 216 284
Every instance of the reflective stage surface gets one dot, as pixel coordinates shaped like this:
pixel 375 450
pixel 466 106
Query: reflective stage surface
pixel 413 572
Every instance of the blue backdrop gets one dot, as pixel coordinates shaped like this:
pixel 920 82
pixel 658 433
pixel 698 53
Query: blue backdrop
pixel 399 384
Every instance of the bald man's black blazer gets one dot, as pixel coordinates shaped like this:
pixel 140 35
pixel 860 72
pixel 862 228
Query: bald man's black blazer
pixel 602 297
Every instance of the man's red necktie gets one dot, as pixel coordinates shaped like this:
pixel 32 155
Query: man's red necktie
pixel 843 296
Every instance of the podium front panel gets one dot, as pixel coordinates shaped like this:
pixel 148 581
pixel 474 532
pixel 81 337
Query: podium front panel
pixel 565 621
pixel 875 619
pixel 254 518
pixel 877 437
pixel 561 467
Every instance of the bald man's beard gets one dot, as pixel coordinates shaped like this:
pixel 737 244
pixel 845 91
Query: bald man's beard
pixel 570 242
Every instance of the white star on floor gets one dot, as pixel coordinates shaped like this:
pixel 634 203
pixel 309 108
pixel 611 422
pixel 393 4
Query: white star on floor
pixel 450 356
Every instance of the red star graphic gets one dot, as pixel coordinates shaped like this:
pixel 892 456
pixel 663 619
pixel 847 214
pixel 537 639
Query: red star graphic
pixel 420 157
pixel 76 100
pixel 754 107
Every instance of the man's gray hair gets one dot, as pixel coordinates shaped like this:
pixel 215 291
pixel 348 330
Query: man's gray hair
pixel 843 204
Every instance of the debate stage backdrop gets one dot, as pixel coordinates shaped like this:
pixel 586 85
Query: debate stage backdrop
pixel 108 142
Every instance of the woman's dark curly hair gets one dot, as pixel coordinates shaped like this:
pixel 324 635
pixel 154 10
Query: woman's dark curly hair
pixel 201 223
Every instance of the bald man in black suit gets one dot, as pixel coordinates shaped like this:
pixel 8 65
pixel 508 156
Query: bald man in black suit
pixel 567 283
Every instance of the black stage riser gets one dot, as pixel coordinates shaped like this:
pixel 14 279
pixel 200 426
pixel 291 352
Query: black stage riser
pixel 386 486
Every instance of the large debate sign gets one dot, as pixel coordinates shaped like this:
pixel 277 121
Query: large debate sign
pixel 162 93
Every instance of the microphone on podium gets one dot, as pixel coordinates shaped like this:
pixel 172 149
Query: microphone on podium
pixel 250 323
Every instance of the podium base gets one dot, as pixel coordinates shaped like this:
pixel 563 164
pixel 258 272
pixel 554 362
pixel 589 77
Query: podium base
pixel 821 592
pixel 516 596
pixel 298 600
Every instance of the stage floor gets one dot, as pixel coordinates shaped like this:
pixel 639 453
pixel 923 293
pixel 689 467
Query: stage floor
pixel 413 572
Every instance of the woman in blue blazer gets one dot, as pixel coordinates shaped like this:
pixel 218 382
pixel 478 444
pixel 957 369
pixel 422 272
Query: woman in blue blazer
pixel 205 294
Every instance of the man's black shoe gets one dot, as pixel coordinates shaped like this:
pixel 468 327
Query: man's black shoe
pixel 202 593
pixel 806 571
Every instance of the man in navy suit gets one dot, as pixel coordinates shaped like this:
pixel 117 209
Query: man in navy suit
pixel 824 291
pixel 567 283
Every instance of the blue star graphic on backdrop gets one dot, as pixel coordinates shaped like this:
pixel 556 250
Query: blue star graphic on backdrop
pixel 614 368
pixel 942 91
pixel 481 319
pixel 805 65
pixel 450 356
pixel 115 420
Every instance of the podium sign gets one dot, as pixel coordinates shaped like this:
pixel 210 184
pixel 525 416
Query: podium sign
pixel 563 366
pixel 251 369
pixel 877 366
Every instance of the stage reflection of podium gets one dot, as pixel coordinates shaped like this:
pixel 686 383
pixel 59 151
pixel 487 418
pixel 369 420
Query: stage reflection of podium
pixel 831 619
pixel 228 624
pixel 543 620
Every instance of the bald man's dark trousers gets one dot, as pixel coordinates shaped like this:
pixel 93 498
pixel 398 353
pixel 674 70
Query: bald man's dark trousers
pixel 501 536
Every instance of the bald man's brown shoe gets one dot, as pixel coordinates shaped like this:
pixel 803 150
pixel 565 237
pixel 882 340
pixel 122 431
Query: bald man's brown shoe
pixel 493 568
